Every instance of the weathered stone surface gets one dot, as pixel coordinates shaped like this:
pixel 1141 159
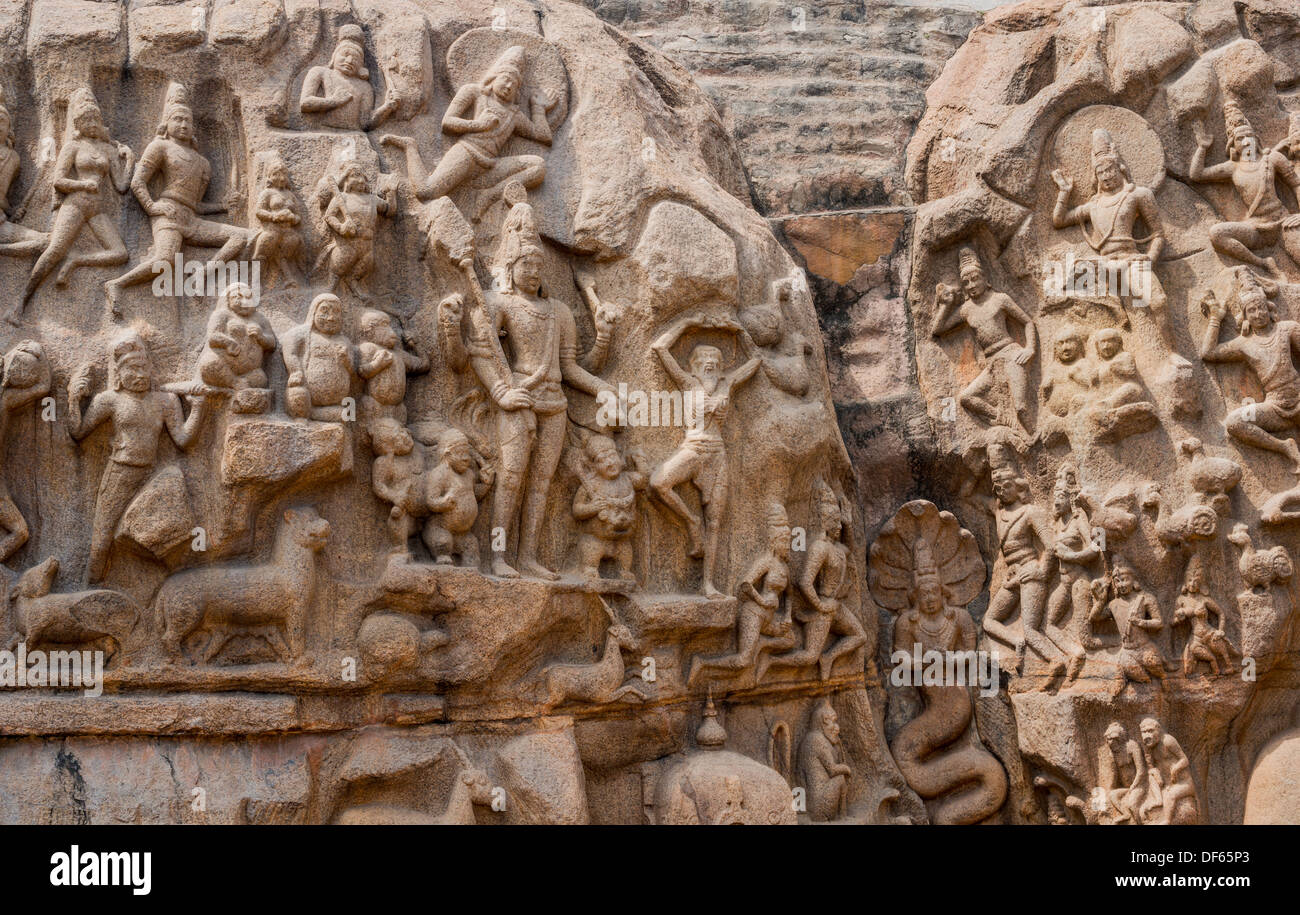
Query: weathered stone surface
pixel 390 386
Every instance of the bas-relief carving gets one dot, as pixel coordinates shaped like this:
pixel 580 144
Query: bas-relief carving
pixel 1151 247
pixel 383 450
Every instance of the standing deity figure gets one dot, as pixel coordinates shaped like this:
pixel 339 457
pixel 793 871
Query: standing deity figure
pixel 701 458
pixel 484 116
pixel 1136 614
pixel 1268 347
pixel 278 245
pixel 174 215
pixel 1254 172
pixel 90 166
pixel 1170 789
pixel 1075 553
pixel 1027 542
pixel 527 387
pixel 1109 219
pixel 822 769
pixel 1122 771
pixel 26 378
pixel 139 413
pixel 340 95
pixel 761 626
pixel 350 212
pixel 826 583
pixel 321 362
pixel 986 312
pixel 1208 641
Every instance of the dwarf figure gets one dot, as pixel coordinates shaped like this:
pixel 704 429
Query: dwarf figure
pixel 340 95
pixel 278 245
pixel 239 339
pixel 321 363
pixel 397 477
pixel 384 364
pixel 1068 383
pixel 605 507
pixel 351 214
pixel 452 493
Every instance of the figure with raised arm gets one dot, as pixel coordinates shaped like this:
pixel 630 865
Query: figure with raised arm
pixel 1268 346
pixel 701 458
pixel 987 312
pixel 484 116
pixel 139 413
pixel 1253 171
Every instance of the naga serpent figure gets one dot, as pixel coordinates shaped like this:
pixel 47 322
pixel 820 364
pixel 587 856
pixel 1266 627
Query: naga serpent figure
pixel 963 782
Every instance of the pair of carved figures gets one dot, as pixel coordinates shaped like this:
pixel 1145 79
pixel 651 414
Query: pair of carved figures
pixel 1146 784
pixel 765 634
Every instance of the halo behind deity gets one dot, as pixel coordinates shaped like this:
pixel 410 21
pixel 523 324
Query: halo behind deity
pixel 1138 145
pixel 472 54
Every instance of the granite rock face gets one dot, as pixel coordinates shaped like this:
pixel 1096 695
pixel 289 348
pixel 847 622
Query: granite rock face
pixel 409 411
pixel 444 412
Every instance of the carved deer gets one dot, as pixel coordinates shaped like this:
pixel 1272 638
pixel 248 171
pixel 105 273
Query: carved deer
pixel 599 682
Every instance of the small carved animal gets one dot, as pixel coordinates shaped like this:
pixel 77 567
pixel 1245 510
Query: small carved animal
pixel 269 599
pixel 599 682
pixel 98 616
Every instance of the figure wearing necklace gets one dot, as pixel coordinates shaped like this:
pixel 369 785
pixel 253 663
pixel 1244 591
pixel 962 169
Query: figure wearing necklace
pixel 1109 221
pixel 527 387
pixel 1253 171
pixel 484 116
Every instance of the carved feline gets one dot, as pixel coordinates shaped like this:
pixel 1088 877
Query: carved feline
pixel 269 598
